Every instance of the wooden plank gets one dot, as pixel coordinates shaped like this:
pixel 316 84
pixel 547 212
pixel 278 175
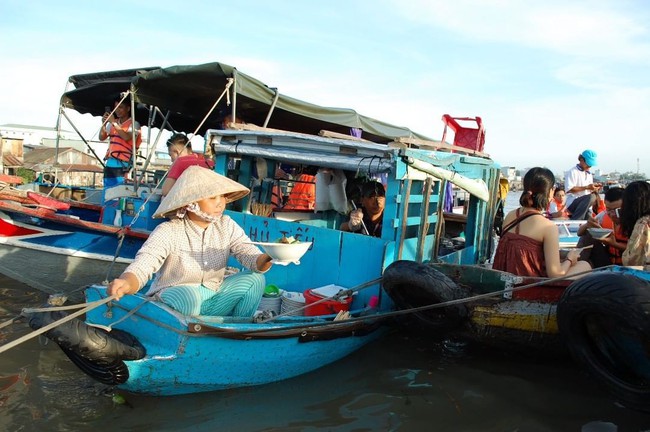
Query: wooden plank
pixel 332 134
pixel 405 207
pixel 436 145
pixel 424 223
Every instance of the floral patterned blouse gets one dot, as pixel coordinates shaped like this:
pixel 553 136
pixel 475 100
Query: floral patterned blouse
pixel 637 252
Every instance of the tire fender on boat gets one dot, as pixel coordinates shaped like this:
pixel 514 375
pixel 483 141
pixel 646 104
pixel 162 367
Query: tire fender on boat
pixel 605 321
pixel 95 351
pixel 411 284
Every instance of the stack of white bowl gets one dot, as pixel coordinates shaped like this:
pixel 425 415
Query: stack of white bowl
pixel 290 301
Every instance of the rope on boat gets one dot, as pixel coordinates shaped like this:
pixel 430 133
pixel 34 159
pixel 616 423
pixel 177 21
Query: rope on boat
pixel 50 326
pixel 373 317
pixel 128 314
pixel 229 82
pixel 9 322
pixel 385 315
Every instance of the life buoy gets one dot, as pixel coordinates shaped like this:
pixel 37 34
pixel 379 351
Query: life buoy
pixel 604 320
pixel 411 284
pixel 95 351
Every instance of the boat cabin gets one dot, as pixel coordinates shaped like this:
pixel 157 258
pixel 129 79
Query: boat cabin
pixel 416 223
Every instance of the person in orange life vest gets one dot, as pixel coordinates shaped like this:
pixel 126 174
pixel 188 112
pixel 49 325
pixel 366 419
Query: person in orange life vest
pixel 180 151
pixel 557 206
pixel 369 217
pixel 609 250
pixel 119 156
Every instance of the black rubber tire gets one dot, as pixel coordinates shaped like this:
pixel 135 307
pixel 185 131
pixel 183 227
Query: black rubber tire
pixel 605 322
pixel 95 351
pixel 411 284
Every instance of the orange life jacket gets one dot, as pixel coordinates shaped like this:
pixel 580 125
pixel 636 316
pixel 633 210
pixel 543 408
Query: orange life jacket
pixel 120 149
pixel 615 255
pixel 560 207
pixel 303 194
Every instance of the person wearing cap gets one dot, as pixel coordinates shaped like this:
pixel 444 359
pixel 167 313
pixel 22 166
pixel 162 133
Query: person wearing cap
pixel 189 253
pixel 119 127
pixel 579 186
pixel 180 151
pixel 369 217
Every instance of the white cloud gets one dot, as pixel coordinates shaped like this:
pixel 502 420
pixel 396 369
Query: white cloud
pixel 592 28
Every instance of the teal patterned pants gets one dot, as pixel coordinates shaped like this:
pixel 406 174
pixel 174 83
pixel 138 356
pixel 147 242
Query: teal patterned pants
pixel 240 295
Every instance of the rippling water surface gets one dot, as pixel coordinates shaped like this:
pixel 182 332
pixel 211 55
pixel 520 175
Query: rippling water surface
pixel 403 382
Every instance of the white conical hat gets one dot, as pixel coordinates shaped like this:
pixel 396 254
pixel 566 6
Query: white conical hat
pixel 197 183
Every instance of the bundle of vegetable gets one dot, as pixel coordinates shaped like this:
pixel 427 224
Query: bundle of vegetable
pixel 287 240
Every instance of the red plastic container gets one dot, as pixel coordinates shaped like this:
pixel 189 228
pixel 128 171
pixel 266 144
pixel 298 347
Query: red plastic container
pixel 327 307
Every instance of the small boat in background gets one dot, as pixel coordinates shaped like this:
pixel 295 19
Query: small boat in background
pixel 568 231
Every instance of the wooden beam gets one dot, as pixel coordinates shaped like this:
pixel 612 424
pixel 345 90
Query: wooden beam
pixel 435 145
pixel 332 134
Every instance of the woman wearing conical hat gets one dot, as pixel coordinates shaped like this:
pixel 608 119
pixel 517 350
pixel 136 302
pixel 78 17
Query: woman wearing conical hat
pixel 188 254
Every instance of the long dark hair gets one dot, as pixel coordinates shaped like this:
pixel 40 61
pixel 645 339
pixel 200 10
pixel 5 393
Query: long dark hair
pixel 636 203
pixel 538 183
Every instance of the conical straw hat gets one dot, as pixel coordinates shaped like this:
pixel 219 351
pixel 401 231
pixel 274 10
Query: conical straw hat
pixel 197 183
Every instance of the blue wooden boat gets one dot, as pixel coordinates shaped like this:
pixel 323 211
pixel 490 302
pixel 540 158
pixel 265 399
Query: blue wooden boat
pixel 152 349
pixel 157 351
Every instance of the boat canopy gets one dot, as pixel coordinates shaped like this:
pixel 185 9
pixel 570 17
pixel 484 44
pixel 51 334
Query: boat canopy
pixel 93 92
pixel 189 94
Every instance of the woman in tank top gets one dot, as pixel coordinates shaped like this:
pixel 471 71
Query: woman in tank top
pixel 529 244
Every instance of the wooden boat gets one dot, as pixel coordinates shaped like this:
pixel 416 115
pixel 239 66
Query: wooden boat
pixel 157 351
pixel 600 319
pixel 68 244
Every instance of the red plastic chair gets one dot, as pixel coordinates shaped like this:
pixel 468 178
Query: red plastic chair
pixel 467 137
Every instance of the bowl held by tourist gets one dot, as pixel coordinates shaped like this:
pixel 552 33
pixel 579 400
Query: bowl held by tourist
pixel 599 233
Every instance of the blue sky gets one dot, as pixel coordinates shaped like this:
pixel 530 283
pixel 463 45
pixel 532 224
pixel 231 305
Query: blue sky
pixel 549 78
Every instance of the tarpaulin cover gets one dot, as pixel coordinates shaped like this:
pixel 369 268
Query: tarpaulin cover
pixel 190 91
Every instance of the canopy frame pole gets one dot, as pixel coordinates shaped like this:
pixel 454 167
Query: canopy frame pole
pixel 58 126
pixel 272 108
pixel 150 120
pixel 61 111
pixel 234 96
pixel 133 143
pixel 155 144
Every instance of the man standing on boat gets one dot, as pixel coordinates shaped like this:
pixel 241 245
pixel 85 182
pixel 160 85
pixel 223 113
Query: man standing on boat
pixel 119 156
pixel 579 186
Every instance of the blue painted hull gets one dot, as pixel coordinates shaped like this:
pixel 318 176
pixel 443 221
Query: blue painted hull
pixel 180 361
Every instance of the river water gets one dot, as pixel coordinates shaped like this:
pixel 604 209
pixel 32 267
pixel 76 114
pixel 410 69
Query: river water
pixel 402 382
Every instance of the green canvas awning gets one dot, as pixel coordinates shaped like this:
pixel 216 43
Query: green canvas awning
pixel 192 90
pixel 189 92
